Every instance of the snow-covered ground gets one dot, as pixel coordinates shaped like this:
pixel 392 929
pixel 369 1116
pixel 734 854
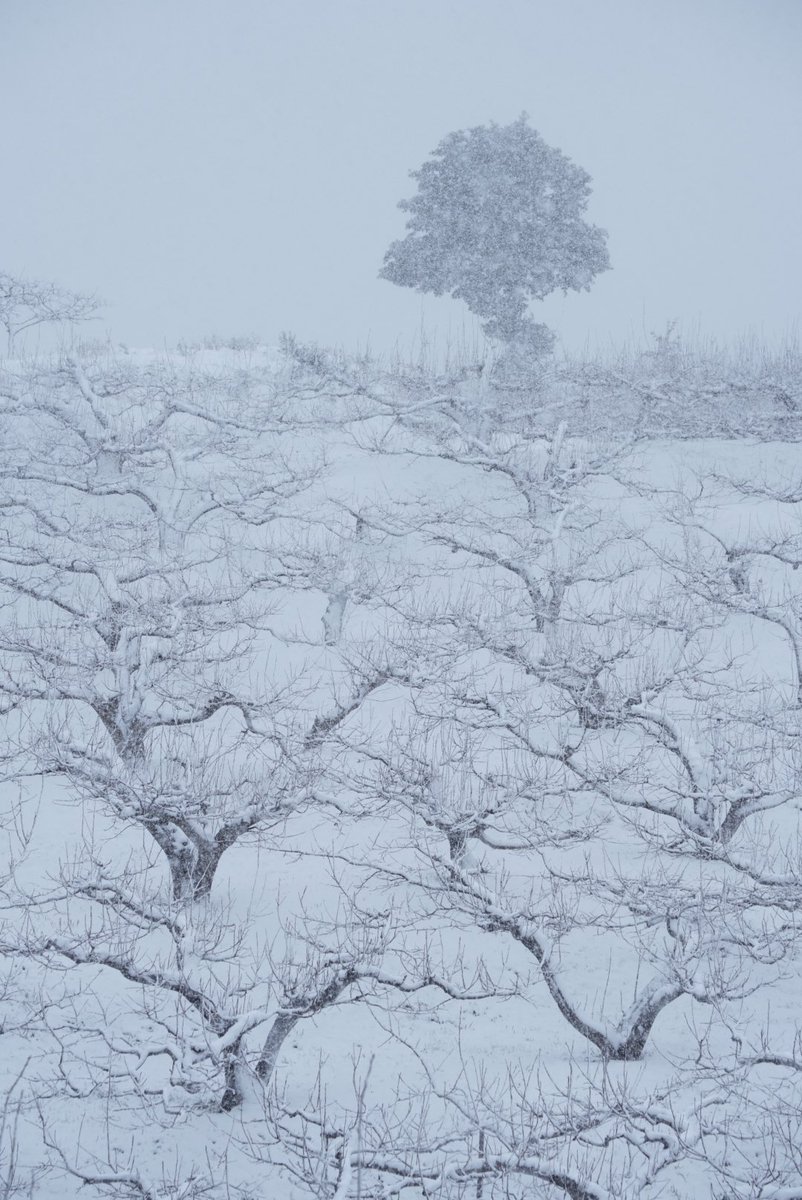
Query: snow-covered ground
pixel 401 782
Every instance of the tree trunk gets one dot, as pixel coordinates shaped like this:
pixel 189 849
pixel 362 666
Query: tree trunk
pixel 232 1095
pixel 279 1031
pixel 193 870
pixel 192 861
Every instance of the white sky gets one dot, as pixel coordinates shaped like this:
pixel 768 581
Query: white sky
pixel 233 166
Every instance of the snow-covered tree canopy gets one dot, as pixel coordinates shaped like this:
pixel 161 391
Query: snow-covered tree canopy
pixel 498 221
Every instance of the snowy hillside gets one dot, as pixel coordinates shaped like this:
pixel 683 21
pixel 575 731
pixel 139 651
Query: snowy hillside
pixel 401 778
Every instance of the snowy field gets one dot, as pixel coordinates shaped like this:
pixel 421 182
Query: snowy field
pixel 401 779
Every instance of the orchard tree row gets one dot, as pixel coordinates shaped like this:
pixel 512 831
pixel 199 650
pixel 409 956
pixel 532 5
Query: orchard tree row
pixel 400 790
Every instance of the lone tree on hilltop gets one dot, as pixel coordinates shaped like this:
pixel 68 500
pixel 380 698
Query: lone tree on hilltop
pixel 497 222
